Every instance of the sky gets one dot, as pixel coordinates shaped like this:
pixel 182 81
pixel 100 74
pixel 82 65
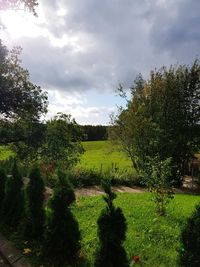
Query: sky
pixel 80 50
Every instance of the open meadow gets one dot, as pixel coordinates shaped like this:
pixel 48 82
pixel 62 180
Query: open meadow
pixel 102 155
pixel 153 238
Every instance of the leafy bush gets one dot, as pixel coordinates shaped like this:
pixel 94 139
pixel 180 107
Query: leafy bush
pixel 14 201
pixel 111 232
pixel 158 183
pixel 126 178
pixel 2 186
pixel 85 177
pixel 34 213
pixel 81 177
pixel 62 237
pixel 190 239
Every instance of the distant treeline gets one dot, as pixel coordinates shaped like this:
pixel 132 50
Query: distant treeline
pixel 94 133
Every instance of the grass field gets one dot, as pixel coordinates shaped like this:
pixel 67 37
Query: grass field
pixel 155 239
pixel 102 155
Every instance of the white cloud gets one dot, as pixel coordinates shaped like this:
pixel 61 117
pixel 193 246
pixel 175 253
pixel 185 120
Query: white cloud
pixel 77 47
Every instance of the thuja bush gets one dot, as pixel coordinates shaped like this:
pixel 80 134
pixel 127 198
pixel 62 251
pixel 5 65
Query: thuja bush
pixel 111 232
pixel 190 240
pixel 13 203
pixel 62 238
pixel 33 224
pixel 2 186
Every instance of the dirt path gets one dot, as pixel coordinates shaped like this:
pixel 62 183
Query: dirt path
pixel 188 188
pixel 97 190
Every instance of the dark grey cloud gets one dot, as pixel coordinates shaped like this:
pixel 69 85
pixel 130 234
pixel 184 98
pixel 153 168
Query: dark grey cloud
pixel 177 30
pixel 117 40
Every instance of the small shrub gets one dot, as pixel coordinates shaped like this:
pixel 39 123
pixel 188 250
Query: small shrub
pixel 62 237
pixel 190 239
pixel 14 201
pixel 158 183
pixel 111 232
pixel 85 177
pixel 2 186
pixel 34 213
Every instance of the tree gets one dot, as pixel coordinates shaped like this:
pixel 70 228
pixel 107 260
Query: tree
pixel 17 4
pixel 111 232
pixel 62 145
pixel 19 98
pixel 162 117
pixel 190 240
pixel 62 238
pixel 2 186
pixel 21 105
pixel 34 213
pixel 13 202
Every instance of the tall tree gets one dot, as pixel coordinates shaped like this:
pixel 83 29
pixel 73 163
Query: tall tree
pixel 19 97
pixel 162 117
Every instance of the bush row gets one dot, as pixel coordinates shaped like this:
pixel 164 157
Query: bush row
pixel 52 232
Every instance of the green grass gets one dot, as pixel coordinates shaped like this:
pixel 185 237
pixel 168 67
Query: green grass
pixel 155 239
pixel 5 153
pixel 101 155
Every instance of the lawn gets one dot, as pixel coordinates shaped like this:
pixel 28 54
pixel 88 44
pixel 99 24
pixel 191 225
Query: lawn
pixel 102 155
pixel 155 239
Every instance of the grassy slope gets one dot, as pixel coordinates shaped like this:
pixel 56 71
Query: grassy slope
pixel 102 153
pixel 155 239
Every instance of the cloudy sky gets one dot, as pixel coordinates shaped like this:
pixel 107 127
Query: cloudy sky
pixel 80 50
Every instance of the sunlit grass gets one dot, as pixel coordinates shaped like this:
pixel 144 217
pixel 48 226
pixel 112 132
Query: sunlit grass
pixel 102 155
pixel 155 239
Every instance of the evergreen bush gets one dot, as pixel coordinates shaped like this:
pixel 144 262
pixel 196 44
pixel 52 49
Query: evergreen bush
pixel 34 213
pixel 62 238
pixel 111 232
pixel 14 201
pixel 190 239
pixel 2 186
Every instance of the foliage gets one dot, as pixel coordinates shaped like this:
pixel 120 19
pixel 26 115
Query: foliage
pixel 19 97
pixel 62 145
pixel 33 224
pixel 21 105
pixel 14 201
pixel 190 240
pixel 95 132
pixel 111 232
pixel 3 179
pixel 17 4
pixel 161 118
pixel 62 238
pixel 159 184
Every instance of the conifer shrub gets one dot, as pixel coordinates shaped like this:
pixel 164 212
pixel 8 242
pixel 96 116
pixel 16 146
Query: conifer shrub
pixel 111 232
pixel 13 203
pixel 62 238
pixel 190 239
pixel 2 186
pixel 33 224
